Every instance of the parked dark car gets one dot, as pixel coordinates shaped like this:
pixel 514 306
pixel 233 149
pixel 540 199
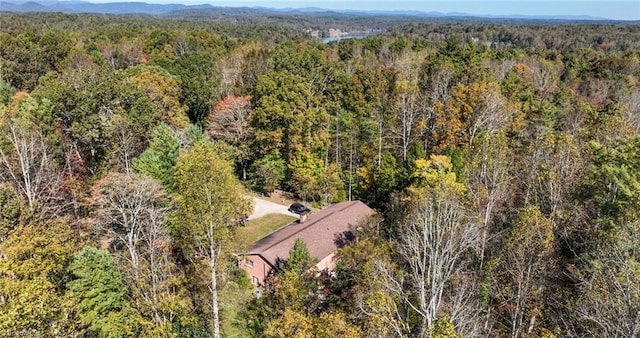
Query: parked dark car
pixel 299 209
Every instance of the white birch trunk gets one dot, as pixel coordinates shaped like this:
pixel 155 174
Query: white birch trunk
pixel 215 312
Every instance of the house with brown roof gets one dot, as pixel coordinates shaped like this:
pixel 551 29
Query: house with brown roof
pixel 323 232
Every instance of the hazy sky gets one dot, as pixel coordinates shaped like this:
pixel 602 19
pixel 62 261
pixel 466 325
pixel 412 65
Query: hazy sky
pixel 620 10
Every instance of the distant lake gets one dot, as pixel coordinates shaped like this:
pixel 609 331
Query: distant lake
pixel 343 37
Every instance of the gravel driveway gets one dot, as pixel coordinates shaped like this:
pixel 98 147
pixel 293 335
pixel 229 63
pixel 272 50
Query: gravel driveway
pixel 263 207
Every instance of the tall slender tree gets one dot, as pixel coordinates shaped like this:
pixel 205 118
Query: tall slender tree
pixel 210 202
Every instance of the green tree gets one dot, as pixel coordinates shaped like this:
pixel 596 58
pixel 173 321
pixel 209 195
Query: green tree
pixel 300 259
pixel 198 81
pixel 268 173
pixel 159 159
pixel 608 247
pixel 96 116
pixel 288 117
pixel 28 56
pixel 257 62
pixel 376 183
pixel 102 295
pixel 210 202
pixel 370 98
pixel 6 92
pixel 612 183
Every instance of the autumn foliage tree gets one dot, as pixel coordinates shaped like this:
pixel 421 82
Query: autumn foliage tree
pixel 33 267
pixel 472 109
pixel 229 122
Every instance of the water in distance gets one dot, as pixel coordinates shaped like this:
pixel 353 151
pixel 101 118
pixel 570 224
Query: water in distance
pixel 343 37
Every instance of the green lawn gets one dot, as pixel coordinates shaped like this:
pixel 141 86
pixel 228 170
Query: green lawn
pixel 260 227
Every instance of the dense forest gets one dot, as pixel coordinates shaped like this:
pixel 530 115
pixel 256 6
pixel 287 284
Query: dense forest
pixel 503 160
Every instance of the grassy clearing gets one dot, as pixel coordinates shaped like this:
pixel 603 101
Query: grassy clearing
pixel 260 227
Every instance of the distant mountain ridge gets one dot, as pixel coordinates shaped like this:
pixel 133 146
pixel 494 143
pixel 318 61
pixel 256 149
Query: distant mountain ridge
pixel 162 9
pixel 102 8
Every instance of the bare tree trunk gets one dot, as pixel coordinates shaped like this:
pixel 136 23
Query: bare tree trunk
pixel 485 232
pixel 350 167
pixel 133 252
pixel 380 141
pixel 489 180
pixel 214 292
pixel 125 152
pixel 28 164
pixel 337 159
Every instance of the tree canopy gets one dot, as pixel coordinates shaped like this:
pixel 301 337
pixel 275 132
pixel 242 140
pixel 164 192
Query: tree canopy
pixel 501 156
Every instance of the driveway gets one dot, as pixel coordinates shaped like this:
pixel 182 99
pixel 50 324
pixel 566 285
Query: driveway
pixel 263 207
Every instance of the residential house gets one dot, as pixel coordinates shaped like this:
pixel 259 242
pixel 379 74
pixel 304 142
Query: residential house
pixel 323 232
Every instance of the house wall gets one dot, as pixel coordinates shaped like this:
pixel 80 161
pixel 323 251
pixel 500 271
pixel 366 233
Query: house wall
pixel 328 263
pixel 256 267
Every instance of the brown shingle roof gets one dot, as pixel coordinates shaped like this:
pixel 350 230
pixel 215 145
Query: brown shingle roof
pixel 319 232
